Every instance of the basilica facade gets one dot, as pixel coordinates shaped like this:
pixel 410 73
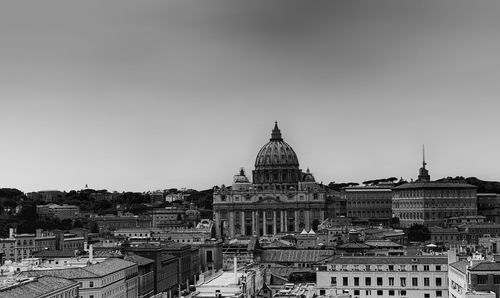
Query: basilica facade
pixel 280 198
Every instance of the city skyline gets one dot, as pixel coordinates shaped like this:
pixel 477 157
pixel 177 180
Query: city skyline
pixel 133 97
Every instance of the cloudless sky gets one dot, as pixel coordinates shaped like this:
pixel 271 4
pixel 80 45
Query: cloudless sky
pixel 145 95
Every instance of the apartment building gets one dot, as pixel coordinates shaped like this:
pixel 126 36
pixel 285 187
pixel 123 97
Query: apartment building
pixel 384 277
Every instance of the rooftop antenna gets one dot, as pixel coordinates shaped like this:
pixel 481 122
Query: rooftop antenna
pixel 423 155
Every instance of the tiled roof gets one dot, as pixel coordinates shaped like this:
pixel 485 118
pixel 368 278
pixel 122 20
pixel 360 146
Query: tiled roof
pixel 54 254
pixel 486 266
pixel 96 270
pixel 295 255
pixel 460 266
pixel 353 245
pixel 38 287
pixel 434 184
pixel 69 273
pixel 138 260
pixel 382 243
pixel 108 266
pixel 379 260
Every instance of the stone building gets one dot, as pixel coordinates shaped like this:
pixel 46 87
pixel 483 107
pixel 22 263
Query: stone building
pixel 372 203
pixel 429 202
pixel 385 277
pixel 281 199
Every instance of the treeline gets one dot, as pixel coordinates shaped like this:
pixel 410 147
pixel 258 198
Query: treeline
pixel 482 185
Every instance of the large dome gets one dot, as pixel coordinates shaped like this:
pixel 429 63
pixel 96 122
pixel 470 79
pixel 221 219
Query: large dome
pixel 277 164
pixel 276 152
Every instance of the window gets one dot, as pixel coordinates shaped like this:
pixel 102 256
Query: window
pixel 356 281
pixel 322 292
pixel 414 281
pixel 402 267
pixel 391 292
pixel 368 281
pixel 391 267
pixel 426 267
pixel 344 281
pixel 333 281
pixel 368 292
pixel 380 292
pixel 439 294
pixel 496 279
pixel 427 295
pixel 414 267
pixel 379 281
pixel 91 284
pixel 403 292
pixel 391 281
pixel 438 267
pixel 403 281
pixel 426 282
pixel 356 292
pixel 438 282
pixel 482 279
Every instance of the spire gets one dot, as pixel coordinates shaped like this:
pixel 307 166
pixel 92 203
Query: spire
pixel 276 134
pixel 423 173
pixel 423 156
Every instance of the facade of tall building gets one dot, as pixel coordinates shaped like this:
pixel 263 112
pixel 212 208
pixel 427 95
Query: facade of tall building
pixel 372 203
pixel 429 202
pixel 282 198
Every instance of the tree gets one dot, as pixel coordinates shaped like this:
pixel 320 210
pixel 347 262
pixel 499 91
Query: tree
pixel 418 233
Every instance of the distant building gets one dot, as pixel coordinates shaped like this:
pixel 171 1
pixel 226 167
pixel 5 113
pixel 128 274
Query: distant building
pixel 281 199
pixel 46 196
pixel 58 211
pixel 488 205
pixel 113 222
pixel 429 203
pixel 372 203
pixel 385 277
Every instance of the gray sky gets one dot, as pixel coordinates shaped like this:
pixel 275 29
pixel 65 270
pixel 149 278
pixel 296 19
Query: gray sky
pixel 143 95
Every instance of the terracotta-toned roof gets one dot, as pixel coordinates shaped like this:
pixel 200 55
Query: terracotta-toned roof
pixel 486 266
pixel 390 260
pixel 434 184
pixel 460 266
pixel 141 261
pixel 37 287
pixel 295 255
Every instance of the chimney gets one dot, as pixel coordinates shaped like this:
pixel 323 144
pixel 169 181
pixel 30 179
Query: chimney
pixel 235 261
pixel 91 253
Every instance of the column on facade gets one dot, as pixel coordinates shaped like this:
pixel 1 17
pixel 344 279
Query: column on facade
pixel 275 228
pixel 307 219
pixel 243 222
pixel 264 223
pixel 282 221
pixel 254 230
pixel 217 224
pixel 257 223
pixel 231 223
pixel 297 221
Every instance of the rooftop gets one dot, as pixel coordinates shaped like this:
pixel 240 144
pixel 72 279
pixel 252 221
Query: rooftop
pixel 389 260
pixel 434 185
pixel 295 255
pixel 35 287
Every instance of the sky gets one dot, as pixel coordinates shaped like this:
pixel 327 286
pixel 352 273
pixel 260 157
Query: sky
pixel 144 95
